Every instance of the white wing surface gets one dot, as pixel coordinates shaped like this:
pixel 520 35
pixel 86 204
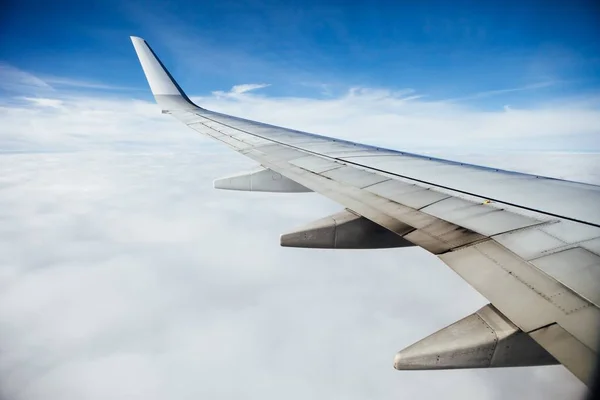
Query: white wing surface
pixel 529 244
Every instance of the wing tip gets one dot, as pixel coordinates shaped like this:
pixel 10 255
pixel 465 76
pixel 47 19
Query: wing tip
pixel 136 39
pixel 166 90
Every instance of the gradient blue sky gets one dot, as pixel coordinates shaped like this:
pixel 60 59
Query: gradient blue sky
pixel 488 55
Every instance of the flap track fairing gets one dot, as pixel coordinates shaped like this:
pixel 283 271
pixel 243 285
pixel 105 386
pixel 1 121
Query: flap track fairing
pixel 260 180
pixel 484 339
pixel 344 230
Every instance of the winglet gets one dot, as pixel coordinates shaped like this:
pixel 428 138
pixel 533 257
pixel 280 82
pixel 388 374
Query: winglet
pixel 166 91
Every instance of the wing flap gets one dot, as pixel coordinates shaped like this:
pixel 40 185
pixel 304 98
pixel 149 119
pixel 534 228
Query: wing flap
pixel 573 354
pixel 344 230
pixel 528 296
pixel 483 218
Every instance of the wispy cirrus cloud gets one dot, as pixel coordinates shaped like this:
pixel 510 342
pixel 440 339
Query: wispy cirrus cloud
pixel 248 87
pixel 60 82
pixel 498 92
pixel 45 102
pixel 13 79
pixel 238 90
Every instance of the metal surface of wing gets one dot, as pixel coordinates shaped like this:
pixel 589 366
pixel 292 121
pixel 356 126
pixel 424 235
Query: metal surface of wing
pixel 529 244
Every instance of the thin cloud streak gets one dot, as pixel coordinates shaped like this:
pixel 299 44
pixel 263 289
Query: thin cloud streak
pixel 240 90
pixel 83 84
pixel 248 87
pixel 45 102
pixel 14 79
pixel 497 92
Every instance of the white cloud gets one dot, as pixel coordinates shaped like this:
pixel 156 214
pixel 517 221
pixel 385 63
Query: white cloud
pixel 81 83
pixel 142 273
pixel 125 275
pixel 13 79
pixel 496 92
pixel 376 116
pixel 248 87
pixel 16 80
pixel 85 123
pixel 403 120
pixel 44 102
pixel 238 91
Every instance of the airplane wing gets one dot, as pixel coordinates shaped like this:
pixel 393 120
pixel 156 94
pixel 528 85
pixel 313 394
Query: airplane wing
pixel 529 244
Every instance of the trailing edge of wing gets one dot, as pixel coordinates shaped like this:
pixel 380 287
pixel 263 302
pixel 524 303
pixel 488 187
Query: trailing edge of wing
pixel 166 91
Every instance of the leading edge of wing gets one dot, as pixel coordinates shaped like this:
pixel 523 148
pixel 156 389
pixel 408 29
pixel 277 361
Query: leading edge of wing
pixel 164 87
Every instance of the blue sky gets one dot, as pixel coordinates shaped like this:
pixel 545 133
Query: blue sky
pixel 489 55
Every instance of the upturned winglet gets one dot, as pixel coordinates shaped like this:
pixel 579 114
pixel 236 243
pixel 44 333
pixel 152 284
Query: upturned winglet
pixel 166 91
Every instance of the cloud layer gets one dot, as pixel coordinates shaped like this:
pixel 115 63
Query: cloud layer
pixel 125 275
pixel 397 119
